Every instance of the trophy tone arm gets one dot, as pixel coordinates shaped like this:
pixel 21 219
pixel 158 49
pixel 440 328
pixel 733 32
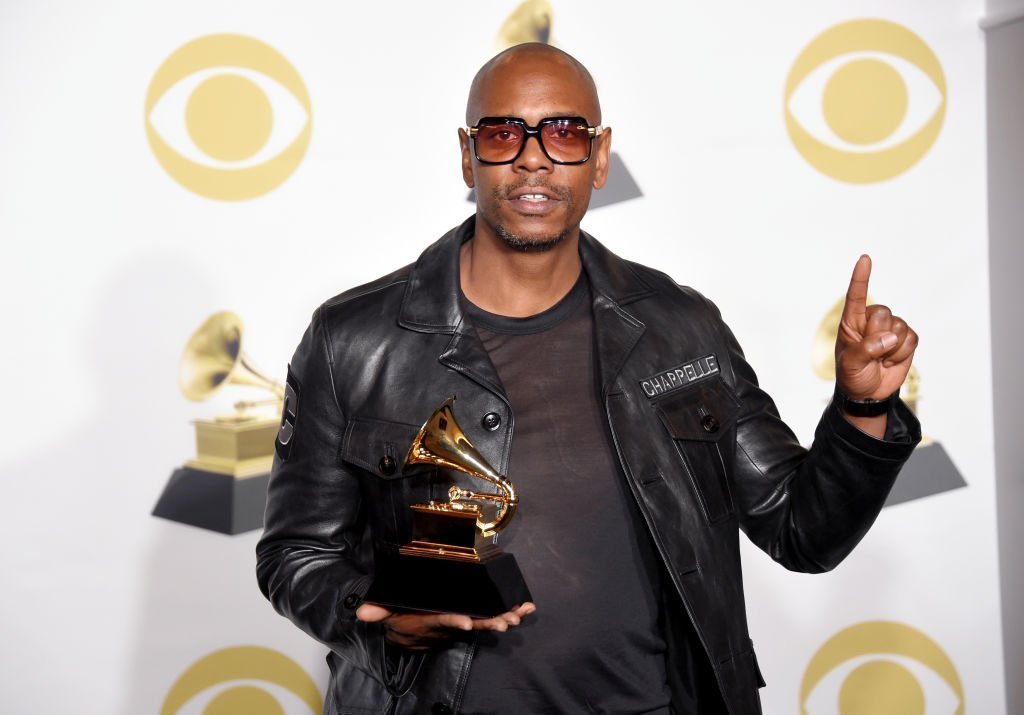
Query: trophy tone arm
pixel 506 502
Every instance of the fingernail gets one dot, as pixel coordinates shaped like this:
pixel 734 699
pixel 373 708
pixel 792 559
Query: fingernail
pixel 888 340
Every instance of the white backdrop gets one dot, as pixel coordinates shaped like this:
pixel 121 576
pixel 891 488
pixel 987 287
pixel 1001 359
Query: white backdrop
pixel 107 264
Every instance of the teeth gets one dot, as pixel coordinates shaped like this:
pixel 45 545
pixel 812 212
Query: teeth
pixel 534 197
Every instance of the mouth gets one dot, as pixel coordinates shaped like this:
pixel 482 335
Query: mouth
pixel 533 199
pixel 532 193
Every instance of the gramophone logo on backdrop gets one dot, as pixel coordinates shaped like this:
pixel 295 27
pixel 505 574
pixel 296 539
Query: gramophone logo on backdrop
pixel 929 469
pixel 532 21
pixel 228 117
pixel 881 668
pixel 865 101
pixel 224 487
pixel 244 680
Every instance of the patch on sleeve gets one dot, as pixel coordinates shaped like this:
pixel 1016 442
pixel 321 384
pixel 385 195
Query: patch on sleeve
pixel 289 417
pixel 680 376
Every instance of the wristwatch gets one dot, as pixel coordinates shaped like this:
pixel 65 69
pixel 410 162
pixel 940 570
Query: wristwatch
pixel 863 408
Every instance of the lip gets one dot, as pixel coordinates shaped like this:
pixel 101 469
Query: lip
pixel 521 199
pixel 522 191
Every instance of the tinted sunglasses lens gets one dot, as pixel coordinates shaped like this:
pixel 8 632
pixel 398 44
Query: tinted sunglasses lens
pixel 498 141
pixel 566 140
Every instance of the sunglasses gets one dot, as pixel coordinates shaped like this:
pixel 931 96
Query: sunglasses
pixel 564 140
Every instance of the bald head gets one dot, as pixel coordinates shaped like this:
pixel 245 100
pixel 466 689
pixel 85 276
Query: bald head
pixel 493 85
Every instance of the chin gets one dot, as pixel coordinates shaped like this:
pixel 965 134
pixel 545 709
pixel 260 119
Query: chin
pixel 535 243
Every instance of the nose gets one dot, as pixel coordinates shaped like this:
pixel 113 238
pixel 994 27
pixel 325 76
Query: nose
pixel 532 157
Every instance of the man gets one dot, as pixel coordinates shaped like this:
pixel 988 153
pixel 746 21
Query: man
pixel 641 444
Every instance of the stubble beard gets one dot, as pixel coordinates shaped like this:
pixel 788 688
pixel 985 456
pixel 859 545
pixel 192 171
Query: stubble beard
pixel 529 244
pixel 525 243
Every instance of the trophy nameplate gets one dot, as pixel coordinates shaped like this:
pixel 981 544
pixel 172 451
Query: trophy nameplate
pixel 451 564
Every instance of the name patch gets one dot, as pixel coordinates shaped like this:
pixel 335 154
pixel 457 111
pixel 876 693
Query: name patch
pixel 680 376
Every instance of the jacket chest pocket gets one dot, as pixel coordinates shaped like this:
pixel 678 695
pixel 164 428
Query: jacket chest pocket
pixel 701 419
pixel 379 448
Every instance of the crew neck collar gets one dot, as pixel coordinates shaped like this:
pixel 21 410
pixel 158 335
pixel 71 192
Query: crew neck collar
pixel 531 324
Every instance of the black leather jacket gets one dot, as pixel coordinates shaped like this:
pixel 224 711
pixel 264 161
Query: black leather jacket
pixel 702 456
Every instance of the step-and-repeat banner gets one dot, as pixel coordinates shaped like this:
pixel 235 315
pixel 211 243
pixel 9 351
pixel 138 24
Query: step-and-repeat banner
pixel 182 183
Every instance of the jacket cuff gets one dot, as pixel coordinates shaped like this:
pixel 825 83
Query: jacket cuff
pixel 902 433
pixel 397 667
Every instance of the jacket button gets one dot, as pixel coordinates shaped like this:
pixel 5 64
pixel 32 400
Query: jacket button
pixel 387 465
pixel 491 421
pixel 352 600
pixel 709 423
pixel 440 709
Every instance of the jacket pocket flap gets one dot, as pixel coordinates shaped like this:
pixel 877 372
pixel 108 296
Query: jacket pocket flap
pixel 703 411
pixel 378 446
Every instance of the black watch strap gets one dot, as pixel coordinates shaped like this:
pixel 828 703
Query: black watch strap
pixel 863 408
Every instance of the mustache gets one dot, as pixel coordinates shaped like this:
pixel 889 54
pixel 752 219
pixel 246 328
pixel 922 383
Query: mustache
pixel 505 191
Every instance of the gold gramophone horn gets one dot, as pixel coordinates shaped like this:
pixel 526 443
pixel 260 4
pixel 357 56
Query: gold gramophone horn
pixel 213 357
pixel 823 352
pixel 442 442
pixel 529 22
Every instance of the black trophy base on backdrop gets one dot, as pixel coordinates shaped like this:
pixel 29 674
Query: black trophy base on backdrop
pixel 481 589
pixel 928 471
pixel 216 502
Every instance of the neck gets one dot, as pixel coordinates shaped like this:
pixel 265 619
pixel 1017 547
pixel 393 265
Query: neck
pixel 517 284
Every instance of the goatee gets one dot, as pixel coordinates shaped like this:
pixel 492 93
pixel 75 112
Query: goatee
pixel 529 244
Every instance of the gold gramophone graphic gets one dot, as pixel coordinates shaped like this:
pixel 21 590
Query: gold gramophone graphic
pixel 452 564
pixel 533 21
pixel 929 469
pixel 223 488
pixel 529 22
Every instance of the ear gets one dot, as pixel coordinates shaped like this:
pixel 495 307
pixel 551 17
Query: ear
pixel 467 159
pixel 601 157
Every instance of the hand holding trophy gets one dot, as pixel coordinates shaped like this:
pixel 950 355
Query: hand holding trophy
pixel 452 565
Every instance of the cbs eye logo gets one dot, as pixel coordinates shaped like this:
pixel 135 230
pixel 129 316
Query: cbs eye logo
pixel 228 117
pixel 245 680
pixel 865 100
pixel 881 668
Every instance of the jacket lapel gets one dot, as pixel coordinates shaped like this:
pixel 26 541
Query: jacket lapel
pixel 431 305
pixel 613 284
pixel 466 354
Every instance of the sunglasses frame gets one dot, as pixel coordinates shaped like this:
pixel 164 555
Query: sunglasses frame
pixel 535 131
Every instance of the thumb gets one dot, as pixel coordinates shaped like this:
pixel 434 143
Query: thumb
pixel 879 344
pixel 371 613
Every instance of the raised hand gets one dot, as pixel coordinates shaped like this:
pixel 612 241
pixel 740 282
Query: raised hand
pixel 419 631
pixel 874 348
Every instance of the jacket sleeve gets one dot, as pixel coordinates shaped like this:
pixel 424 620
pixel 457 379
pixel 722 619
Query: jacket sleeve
pixel 808 509
pixel 314 560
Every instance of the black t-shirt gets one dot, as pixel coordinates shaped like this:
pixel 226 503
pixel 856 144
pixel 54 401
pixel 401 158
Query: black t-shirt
pixel 594 645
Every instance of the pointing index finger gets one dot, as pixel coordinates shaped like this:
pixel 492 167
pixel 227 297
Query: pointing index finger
pixel 857 294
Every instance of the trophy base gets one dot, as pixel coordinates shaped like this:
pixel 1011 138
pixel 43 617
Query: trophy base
pixel 212 501
pixel 482 589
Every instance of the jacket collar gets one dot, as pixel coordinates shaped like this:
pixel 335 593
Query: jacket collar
pixel 431 300
pixel 431 305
